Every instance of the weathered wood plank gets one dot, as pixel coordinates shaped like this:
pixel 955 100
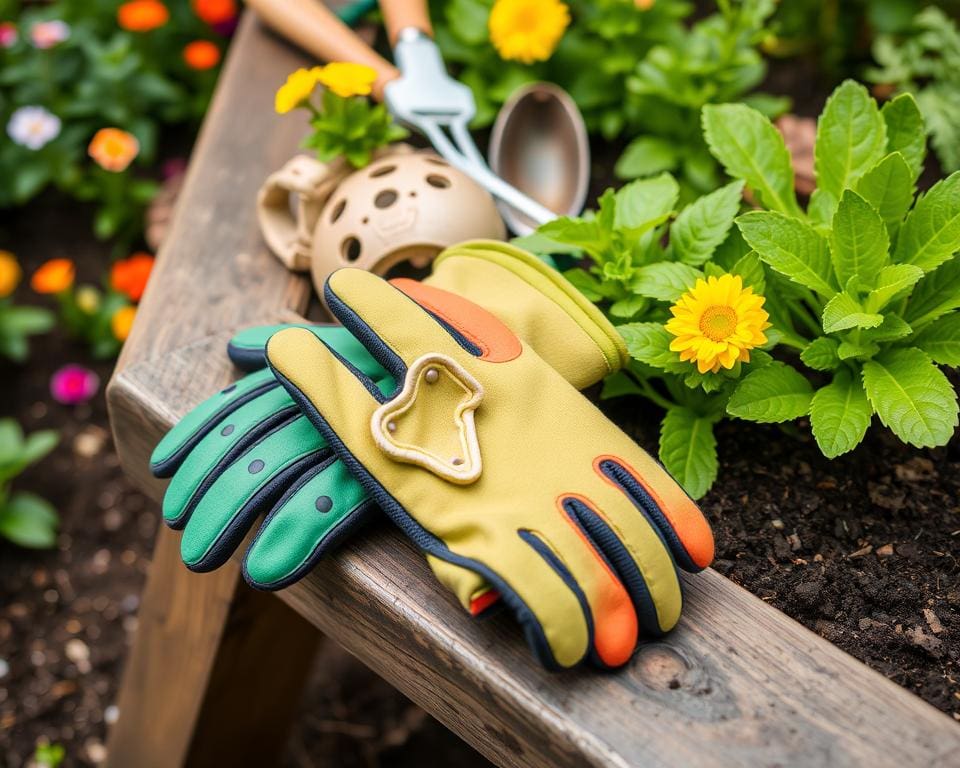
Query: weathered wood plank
pixel 183 665
pixel 738 683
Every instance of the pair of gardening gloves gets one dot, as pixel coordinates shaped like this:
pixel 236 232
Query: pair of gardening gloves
pixel 451 404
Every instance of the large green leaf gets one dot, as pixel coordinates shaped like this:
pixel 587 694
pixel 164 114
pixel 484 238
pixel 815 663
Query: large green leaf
pixel 843 312
pixel 29 521
pixel 645 156
pixel 840 414
pixel 936 294
pixel 889 283
pixel 905 131
pixel 702 226
pixel 931 233
pixel 821 354
pixel 851 138
pixel 941 340
pixel 774 393
pixel 650 343
pixel 750 148
pixel 688 450
pixel 791 247
pixel 645 201
pixel 911 396
pixel 665 281
pixel 888 187
pixel 858 239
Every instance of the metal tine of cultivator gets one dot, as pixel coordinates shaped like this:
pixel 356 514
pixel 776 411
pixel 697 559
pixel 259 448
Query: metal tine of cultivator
pixel 426 98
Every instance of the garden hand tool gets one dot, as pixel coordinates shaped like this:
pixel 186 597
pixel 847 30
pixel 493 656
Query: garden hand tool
pixel 418 92
pixel 539 144
pixel 248 450
pixel 499 470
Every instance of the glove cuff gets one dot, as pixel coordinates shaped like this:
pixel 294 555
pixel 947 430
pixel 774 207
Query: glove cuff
pixel 537 303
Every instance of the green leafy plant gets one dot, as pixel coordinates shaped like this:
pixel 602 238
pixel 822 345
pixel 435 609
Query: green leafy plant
pixel 925 60
pixel 25 518
pixel 68 70
pixel 643 258
pixel 836 33
pixel 634 69
pixel 17 323
pixel 346 124
pixel 715 61
pixel 597 52
pixel 867 282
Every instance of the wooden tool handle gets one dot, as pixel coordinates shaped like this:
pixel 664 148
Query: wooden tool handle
pixel 312 26
pixel 400 14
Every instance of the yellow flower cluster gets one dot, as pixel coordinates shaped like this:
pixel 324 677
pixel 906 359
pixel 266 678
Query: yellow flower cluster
pixel 527 30
pixel 717 322
pixel 345 79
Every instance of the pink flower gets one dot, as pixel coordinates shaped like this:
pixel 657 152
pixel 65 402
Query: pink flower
pixel 46 34
pixel 8 35
pixel 73 384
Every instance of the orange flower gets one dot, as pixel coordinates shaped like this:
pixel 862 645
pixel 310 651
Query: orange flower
pixel 10 274
pixel 113 149
pixel 201 54
pixel 142 15
pixel 122 322
pixel 130 276
pixel 54 276
pixel 215 11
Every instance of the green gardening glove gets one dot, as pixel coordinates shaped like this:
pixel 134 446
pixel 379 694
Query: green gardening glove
pixel 247 451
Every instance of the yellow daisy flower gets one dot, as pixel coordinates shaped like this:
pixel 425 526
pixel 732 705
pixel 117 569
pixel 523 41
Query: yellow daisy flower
pixel 527 30
pixel 296 90
pixel 717 323
pixel 346 79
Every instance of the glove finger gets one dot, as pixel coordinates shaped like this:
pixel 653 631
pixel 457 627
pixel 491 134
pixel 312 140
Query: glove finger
pixel 228 435
pixel 335 396
pixel 192 428
pixel 315 514
pixel 634 551
pixel 248 485
pixel 611 608
pixel 547 601
pixel 396 330
pixel 247 348
pixel 678 519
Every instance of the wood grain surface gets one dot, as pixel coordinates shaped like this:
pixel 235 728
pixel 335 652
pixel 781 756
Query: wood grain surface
pixel 738 682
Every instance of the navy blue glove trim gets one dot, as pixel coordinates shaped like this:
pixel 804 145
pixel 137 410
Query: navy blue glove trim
pixel 169 466
pixel 257 433
pixel 645 503
pixel 608 544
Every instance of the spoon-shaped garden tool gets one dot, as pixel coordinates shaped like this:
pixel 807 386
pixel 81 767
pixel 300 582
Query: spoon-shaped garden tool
pixel 418 92
pixel 539 144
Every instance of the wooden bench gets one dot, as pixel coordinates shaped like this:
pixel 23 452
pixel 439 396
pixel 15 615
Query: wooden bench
pixel 216 668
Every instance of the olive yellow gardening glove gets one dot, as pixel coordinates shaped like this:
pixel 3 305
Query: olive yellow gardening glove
pixel 247 452
pixel 499 469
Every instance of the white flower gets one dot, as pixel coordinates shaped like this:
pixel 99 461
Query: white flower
pixel 46 34
pixel 33 127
